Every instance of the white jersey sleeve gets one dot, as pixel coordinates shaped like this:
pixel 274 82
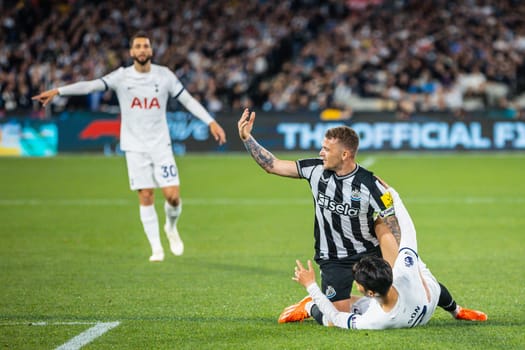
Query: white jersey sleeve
pixel 406 225
pixel 175 85
pixel 82 88
pixel 334 316
pixel 186 99
pixel 194 107
pixel 113 79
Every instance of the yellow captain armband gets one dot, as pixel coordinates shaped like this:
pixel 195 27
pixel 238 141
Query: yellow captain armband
pixel 387 199
pixel 388 202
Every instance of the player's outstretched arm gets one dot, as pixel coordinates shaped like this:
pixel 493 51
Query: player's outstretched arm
pixel 306 277
pixel 46 96
pixel 261 155
pixel 79 88
pixel 198 110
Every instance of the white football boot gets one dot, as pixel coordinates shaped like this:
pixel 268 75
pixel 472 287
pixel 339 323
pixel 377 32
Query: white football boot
pixel 158 255
pixel 176 244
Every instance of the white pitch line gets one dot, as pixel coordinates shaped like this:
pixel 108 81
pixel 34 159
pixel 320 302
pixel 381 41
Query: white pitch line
pixel 88 336
pixel 249 201
pixel 44 323
pixel 67 202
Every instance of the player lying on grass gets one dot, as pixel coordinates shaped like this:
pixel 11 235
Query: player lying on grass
pixel 404 296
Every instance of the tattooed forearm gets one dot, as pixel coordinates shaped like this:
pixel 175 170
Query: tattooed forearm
pixel 261 155
pixel 393 225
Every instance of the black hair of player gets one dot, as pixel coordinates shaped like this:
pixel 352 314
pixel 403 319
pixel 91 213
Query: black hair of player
pixel 374 274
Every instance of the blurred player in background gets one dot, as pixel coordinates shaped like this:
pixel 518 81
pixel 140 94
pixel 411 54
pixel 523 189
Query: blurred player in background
pixel 143 91
pixel 353 216
pixel 404 295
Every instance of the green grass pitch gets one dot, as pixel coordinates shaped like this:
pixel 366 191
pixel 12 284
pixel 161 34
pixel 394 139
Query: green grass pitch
pixel 72 253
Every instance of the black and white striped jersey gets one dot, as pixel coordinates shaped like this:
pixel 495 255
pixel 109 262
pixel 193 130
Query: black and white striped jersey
pixel 345 208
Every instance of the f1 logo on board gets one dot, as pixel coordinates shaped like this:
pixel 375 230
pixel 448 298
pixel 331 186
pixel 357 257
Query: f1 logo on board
pixel 182 126
pixel 101 128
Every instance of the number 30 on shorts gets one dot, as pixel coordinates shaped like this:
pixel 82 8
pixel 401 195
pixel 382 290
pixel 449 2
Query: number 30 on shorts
pixel 169 171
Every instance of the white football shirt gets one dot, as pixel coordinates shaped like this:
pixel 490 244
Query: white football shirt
pixel 143 99
pixel 412 307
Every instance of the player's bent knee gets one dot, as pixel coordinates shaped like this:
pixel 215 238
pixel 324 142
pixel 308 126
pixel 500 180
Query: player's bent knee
pixel 172 198
pixel 146 196
pixel 173 201
pixel 171 194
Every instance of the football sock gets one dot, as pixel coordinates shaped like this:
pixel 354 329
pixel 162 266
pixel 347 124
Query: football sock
pixel 316 314
pixel 150 221
pixel 446 301
pixel 172 213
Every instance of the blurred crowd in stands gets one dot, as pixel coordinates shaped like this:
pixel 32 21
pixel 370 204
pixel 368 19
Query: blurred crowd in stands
pixel 286 55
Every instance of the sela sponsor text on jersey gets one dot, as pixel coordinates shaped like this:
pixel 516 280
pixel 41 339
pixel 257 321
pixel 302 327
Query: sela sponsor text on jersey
pixel 339 208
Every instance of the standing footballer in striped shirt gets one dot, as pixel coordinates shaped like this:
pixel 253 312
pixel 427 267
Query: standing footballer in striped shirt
pixel 354 216
pixel 143 90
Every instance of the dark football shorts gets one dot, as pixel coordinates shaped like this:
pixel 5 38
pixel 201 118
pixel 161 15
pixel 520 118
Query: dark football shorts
pixel 337 276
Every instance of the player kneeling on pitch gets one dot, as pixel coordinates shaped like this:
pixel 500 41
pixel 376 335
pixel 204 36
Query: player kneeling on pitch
pixel 404 296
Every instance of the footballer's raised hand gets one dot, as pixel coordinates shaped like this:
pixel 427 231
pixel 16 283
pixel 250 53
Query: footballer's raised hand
pixel 46 96
pixel 245 124
pixel 304 276
pixel 218 133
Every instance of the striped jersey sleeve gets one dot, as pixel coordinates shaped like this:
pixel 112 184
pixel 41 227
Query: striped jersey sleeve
pixel 305 167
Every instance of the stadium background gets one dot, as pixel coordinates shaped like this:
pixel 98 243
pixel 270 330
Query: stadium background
pixel 306 62
pixel 72 254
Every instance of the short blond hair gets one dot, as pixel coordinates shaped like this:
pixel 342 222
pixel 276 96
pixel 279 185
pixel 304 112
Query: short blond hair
pixel 346 135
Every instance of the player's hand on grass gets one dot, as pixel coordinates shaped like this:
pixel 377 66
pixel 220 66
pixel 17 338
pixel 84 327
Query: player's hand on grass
pixel 245 124
pixel 46 96
pixel 304 276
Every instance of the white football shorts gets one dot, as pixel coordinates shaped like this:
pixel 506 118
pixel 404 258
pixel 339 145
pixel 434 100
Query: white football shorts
pixel 433 287
pixel 152 170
